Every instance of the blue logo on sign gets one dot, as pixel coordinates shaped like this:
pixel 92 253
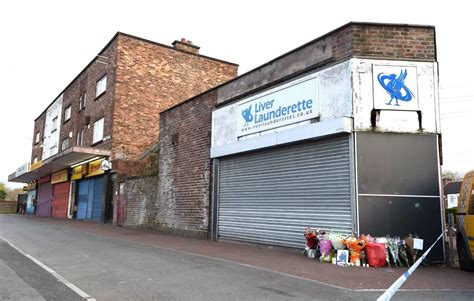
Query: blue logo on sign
pixel 395 86
pixel 247 114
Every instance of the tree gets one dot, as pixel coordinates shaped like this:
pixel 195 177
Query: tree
pixel 3 192
pixel 12 194
pixel 456 176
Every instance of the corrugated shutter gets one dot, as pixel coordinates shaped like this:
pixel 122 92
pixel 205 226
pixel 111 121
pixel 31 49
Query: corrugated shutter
pixel 82 199
pixel 89 198
pixel 271 196
pixel 97 193
pixel 60 199
pixel 44 199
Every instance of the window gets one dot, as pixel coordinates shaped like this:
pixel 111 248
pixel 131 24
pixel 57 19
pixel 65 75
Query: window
pixel 471 202
pixel 82 102
pixel 65 144
pixel 80 137
pixel 35 160
pixel 98 130
pixel 37 137
pixel 100 86
pixel 55 124
pixel 53 150
pixel 67 114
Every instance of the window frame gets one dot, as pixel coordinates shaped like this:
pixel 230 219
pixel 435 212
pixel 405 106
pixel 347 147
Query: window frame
pixel 82 101
pixel 67 144
pixel 55 147
pixel 98 84
pixel 95 139
pixel 37 137
pixel 54 124
pixel 80 137
pixel 67 111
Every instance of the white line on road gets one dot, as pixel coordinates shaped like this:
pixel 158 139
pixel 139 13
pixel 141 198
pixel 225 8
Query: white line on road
pixel 52 272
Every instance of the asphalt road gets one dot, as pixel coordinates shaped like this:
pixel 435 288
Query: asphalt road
pixel 112 269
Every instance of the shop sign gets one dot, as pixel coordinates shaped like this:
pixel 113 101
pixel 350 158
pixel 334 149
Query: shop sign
pixel 36 165
pixel 296 103
pixel 395 88
pixel 59 177
pixel 95 168
pixel 76 173
pixel 22 169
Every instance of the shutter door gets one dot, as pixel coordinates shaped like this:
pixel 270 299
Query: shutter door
pixel 82 199
pixel 97 193
pixel 271 196
pixel 44 199
pixel 60 199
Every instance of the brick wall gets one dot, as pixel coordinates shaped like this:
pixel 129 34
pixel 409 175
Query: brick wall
pixel 185 167
pixel 395 42
pixel 7 207
pixel 151 78
pixel 95 107
pixel 390 41
pixel 140 196
pixel 37 148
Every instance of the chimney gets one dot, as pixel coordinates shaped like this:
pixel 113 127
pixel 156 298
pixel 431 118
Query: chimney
pixel 186 46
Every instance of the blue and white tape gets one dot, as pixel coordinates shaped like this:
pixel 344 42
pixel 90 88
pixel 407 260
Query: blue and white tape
pixel 397 284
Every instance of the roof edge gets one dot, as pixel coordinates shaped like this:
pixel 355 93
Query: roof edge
pixel 108 45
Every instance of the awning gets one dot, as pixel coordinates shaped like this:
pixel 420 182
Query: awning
pixel 62 160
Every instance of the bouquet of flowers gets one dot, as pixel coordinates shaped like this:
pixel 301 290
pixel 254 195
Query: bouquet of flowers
pixel 337 240
pixel 311 235
pixel 355 246
pixel 325 247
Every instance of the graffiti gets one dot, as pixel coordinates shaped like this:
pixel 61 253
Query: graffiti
pixel 247 114
pixel 395 87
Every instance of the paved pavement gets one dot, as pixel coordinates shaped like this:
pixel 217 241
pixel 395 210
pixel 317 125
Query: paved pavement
pixel 113 263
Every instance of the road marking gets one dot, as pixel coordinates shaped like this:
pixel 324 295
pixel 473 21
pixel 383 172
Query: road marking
pixel 52 272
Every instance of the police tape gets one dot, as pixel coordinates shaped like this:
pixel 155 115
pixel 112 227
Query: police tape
pixel 397 284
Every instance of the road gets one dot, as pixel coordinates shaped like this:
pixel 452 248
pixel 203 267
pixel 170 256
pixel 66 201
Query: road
pixel 107 268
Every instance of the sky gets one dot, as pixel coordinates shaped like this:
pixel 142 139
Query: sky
pixel 45 44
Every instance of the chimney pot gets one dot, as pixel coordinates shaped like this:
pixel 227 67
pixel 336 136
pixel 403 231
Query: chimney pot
pixel 186 45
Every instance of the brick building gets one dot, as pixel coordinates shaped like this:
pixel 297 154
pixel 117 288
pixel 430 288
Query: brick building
pixel 243 161
pixel 93 134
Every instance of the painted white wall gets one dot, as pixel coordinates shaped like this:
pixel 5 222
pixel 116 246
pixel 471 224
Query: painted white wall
pixel 335 101
pixel 390 120
pixel 51 138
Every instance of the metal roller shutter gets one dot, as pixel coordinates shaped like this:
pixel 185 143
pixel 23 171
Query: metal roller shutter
pixel 45 192
pixel 60 199
pixel 82 199
pixel 96 213
pixel 271 196
pixel 90 198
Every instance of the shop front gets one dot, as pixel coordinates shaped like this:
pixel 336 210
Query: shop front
pixel 91 191
pixel 61 177
pixel 332 150
pixel 45 196
pixel 61 186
